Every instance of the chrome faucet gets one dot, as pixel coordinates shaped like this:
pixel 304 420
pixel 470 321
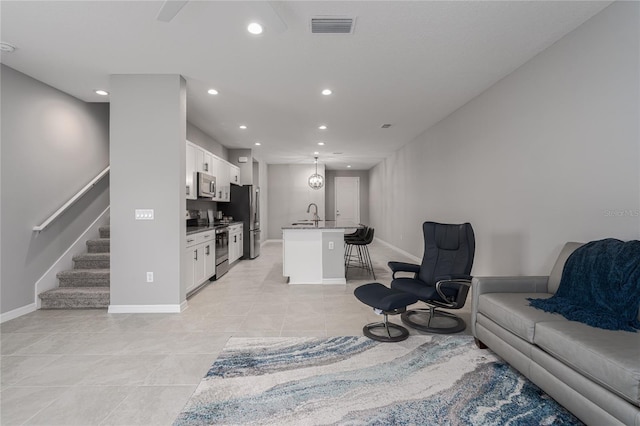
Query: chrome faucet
pixel 316 218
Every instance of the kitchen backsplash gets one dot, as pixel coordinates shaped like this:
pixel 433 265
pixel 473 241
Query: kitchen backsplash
pixel 201 206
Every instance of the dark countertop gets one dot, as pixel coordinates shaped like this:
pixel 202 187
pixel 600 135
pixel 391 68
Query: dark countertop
pixel 204 228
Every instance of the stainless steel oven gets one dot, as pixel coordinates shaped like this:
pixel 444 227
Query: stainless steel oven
pixel 222 250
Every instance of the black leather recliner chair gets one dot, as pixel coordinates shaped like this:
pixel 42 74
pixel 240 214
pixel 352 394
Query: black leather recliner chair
pixel 442 280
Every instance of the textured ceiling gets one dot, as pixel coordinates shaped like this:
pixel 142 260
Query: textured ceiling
pixel 409 64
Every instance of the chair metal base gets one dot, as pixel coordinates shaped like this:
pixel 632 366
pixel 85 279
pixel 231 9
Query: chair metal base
pixel 433 321
pixel 390 332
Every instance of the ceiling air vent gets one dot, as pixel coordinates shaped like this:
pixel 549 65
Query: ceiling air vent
pixel 385 126
pixel 332 25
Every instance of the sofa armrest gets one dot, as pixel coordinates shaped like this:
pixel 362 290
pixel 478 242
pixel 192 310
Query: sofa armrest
pixel 534 284
pixel 511 284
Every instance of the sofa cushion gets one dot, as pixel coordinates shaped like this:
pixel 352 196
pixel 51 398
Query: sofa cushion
pixel 512 311
pixel 610 358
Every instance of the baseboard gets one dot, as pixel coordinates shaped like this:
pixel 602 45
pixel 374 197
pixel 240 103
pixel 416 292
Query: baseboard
pixel 334 281
pixel 7 316
pixel 147 309
pixel 49 280
pixel 270 241
pixel 404 253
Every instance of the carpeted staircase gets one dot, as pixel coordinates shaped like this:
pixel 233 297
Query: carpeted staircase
pixel 87 284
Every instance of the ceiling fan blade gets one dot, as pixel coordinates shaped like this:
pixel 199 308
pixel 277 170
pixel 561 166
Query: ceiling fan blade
pixel 170 9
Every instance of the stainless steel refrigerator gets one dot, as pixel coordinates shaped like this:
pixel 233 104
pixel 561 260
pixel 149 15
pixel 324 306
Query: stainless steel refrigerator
pixel 244 206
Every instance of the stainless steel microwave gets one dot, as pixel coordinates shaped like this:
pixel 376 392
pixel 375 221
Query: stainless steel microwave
pixel 206 185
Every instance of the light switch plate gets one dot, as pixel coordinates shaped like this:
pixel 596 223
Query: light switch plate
pixel 144 214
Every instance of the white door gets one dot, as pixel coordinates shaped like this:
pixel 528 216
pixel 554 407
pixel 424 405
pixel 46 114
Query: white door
pixel 347 191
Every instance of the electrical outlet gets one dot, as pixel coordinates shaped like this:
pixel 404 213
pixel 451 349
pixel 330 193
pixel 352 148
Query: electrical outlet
pixel 331 245
pixel 144 214
pixel 149 277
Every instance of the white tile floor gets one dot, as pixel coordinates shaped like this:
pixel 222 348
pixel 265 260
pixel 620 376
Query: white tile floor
pixel 88 367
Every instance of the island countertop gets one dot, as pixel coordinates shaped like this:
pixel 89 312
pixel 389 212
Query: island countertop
pixel 322 224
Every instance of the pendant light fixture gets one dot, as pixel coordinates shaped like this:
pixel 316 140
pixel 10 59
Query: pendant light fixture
pixel 316 181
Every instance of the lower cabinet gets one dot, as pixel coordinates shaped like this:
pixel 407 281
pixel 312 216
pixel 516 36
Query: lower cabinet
pixel 235 243
pixel 200 259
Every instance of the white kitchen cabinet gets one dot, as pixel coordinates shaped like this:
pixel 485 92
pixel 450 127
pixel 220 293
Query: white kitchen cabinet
pixel 235 242
pixel 201 160
pixel 209 258
pixel 200 259
pixel 234 174
pixel 191 178
pixel 216 170
pixel 198 264
pixel 225 182
pixel 204 161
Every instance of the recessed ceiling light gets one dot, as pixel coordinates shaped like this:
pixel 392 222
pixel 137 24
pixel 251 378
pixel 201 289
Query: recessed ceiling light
pixel 258 144
pixel 212 91
pixel 349 166
pixel 243 127
pixel 321 143
pixel 102 92
pixel 254 28
pixel 316 153
pixel 323 127
pixel 327 92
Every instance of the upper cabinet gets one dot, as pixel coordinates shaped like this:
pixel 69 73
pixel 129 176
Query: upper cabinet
pixel 224 188
pixel 200 160
pixel 234 174
pixel 204 161
pixel 192 183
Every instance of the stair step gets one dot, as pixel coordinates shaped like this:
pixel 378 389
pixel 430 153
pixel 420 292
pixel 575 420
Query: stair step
pixel 75 298
pixel 84 278
pixel 105 231
pixel 92 261
pixel 101 245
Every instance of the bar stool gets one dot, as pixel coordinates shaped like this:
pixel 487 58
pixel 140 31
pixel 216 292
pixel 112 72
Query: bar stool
pixel 362 258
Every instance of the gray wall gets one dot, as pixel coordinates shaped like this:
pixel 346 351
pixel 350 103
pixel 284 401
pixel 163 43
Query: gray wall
pixel 52 145
pixel 248 177
pixel 148 131
pixel 203 140
pixel 330 208
pixel 263 182
pixel 549 154
pixel 290 194
pixel 246 169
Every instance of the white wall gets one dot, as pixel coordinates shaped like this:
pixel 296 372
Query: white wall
pixel 290 194
pixel 549 154
pixel 148 131
pixel 52 145
pixel 203 140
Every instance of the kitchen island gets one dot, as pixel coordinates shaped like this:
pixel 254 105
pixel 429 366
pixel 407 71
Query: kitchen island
pixel 313 252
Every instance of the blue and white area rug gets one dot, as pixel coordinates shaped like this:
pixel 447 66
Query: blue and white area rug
pixel 425 380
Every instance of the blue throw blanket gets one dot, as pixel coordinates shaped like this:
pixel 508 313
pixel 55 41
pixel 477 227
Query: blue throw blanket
pixel 600 286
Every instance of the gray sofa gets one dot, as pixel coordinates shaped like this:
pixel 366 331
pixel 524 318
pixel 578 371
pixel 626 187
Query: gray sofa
pixel 594 373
